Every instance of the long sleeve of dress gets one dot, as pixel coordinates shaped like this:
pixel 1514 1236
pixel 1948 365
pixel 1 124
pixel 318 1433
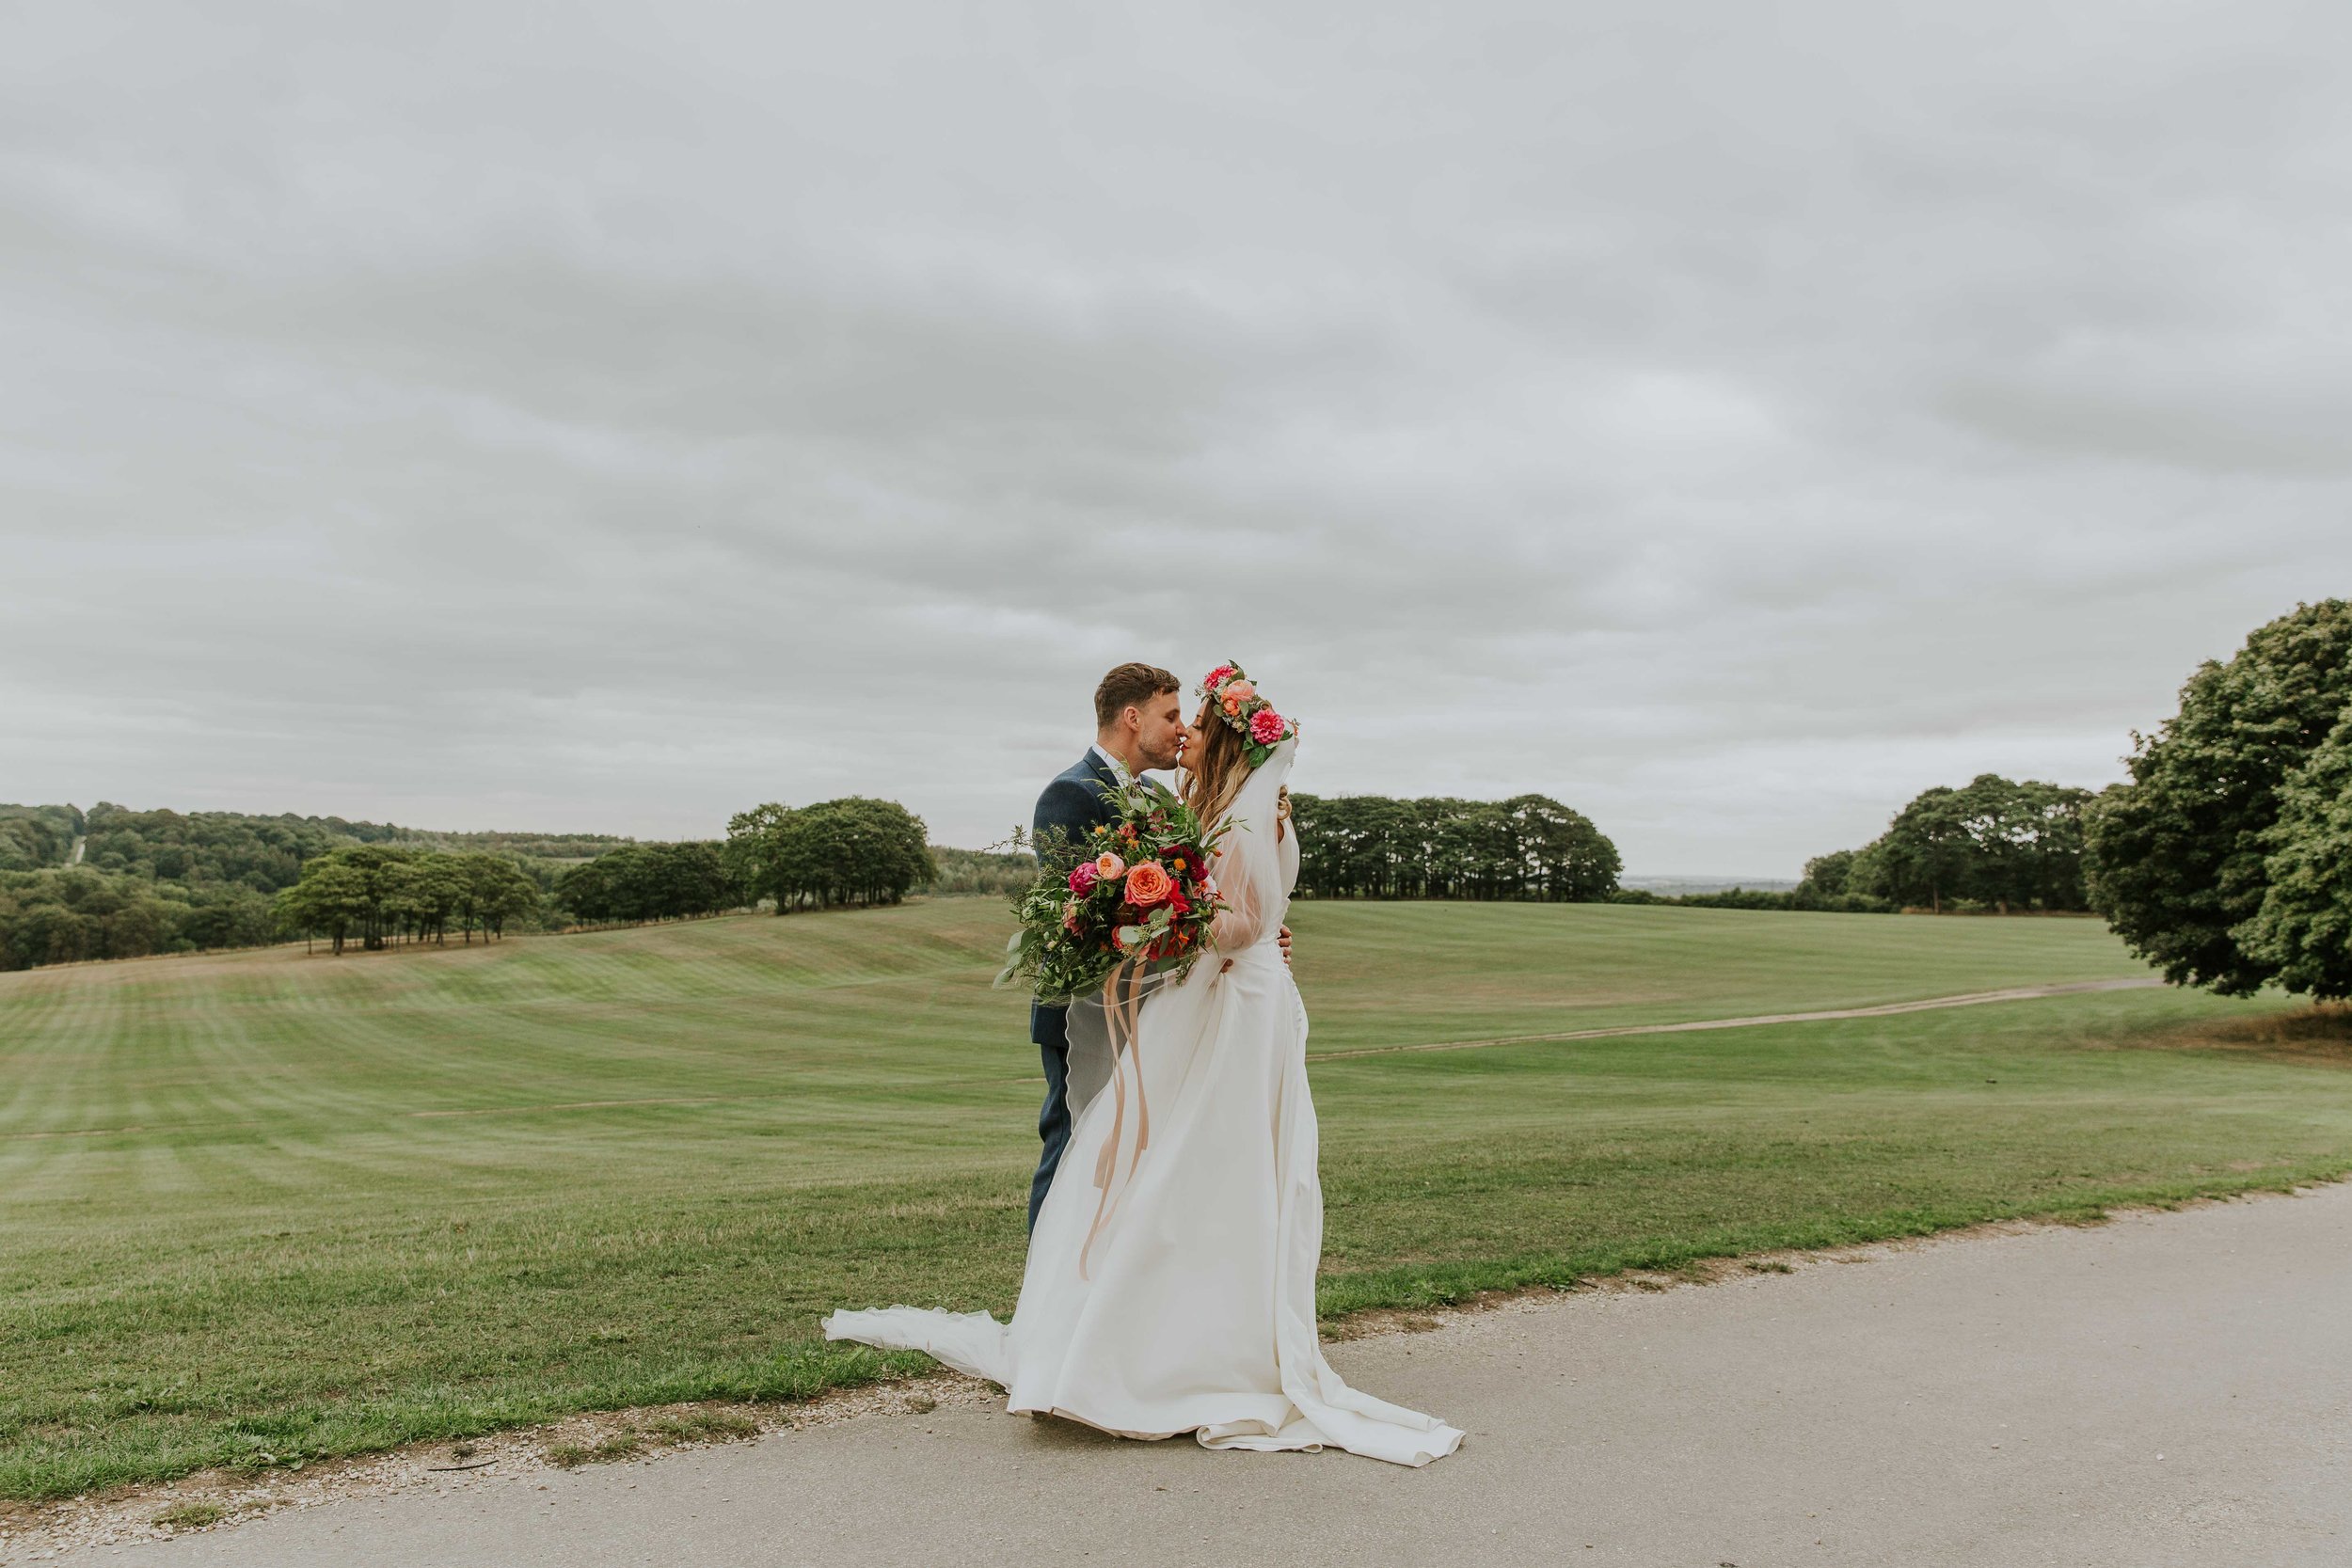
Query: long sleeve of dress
pixel 1248 866
pixel 1243 920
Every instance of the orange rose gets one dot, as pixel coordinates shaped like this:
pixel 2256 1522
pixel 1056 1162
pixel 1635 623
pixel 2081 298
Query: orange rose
pixel 1232 704
pixel 1148 884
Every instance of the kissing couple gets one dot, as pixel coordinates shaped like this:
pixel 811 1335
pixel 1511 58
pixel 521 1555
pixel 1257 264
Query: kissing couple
pixel 1171 1280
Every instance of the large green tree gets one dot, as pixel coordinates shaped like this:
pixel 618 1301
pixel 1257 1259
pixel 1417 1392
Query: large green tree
pixel 2181 856
pixel 2303 930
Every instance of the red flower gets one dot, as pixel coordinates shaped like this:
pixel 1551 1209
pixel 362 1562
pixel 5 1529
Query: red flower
pixel 1265 727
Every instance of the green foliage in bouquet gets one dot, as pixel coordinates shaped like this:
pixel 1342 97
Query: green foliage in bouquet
pixel 1136 889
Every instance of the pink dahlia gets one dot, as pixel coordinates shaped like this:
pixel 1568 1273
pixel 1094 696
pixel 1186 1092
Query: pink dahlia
pixel 1265 727
pixel 1083 877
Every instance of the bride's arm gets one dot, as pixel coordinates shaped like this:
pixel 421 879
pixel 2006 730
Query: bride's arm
pixel 1239 883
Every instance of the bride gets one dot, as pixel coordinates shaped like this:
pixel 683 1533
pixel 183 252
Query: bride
pixel 1170 1282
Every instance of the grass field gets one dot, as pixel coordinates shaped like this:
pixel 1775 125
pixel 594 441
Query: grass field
pixel 259 1206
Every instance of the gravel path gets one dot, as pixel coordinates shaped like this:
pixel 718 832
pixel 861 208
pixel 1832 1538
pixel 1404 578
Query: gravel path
pixel 1970 999
pixel 2171 1389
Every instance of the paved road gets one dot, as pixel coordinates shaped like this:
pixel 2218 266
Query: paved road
pixel 2170 1389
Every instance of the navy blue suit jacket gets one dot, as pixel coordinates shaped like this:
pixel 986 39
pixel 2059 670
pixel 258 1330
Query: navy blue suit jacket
pixel 1072 806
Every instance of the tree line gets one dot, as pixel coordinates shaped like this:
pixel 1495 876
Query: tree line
pixel 224 847
pixel 1529 846
pixel 856 851
pixel 165 882
pixel 1993 844
pixel 380 894
pixel 69 915
pixel 651 882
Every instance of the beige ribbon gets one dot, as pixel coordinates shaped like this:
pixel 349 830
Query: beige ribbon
pixel 1123 1006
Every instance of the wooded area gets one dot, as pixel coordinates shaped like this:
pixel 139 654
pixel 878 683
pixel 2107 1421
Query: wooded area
pixel 857 850
pixel 651 882
pixel 379 893
pixel 1529 846
pixel 1991 845
pixel 165 882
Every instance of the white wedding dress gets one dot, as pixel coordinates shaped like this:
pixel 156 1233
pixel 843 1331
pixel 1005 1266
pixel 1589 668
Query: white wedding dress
pixel 1179 1296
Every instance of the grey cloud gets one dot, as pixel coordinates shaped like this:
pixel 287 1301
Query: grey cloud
pixel 1728 419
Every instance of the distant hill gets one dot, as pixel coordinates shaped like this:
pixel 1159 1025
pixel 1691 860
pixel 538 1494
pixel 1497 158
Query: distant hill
pixel 1675 887
pixel 114 882
pixel 966 873
pixel 230 848
pixel 35 837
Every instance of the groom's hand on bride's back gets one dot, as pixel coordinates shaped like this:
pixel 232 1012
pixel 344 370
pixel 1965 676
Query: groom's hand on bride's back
pixel 1285 939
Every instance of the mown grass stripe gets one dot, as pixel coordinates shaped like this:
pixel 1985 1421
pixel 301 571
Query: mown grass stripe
pixel 312 1206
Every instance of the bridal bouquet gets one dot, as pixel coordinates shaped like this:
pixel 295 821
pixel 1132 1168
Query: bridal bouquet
pixel 1139 889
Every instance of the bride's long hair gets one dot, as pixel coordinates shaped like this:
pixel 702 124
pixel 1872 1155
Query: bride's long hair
pixel 1213 781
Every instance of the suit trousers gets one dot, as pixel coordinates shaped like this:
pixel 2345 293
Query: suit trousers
pixel 1049 1028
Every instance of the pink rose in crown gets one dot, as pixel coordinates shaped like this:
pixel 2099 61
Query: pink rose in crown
pixel 1265 727
pixel 1083 877
pixel 1241 691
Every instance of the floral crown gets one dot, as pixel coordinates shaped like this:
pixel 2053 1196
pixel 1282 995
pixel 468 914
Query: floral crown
pixel 1233 697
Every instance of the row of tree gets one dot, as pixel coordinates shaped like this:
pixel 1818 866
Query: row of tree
pixel 651 882
pixel 378 893
pixel 165 881
pixel 1529 846
pixel 857 850
pixel 1993 843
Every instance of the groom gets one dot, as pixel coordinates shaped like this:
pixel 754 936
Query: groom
pixel 1138 725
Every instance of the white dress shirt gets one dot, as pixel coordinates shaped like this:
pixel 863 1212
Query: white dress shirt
pixel 1119 768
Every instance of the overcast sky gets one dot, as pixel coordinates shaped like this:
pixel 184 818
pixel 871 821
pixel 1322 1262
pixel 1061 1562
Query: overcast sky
pixel 1728 418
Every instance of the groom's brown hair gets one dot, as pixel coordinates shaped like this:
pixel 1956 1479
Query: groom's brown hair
pixel 1135 684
